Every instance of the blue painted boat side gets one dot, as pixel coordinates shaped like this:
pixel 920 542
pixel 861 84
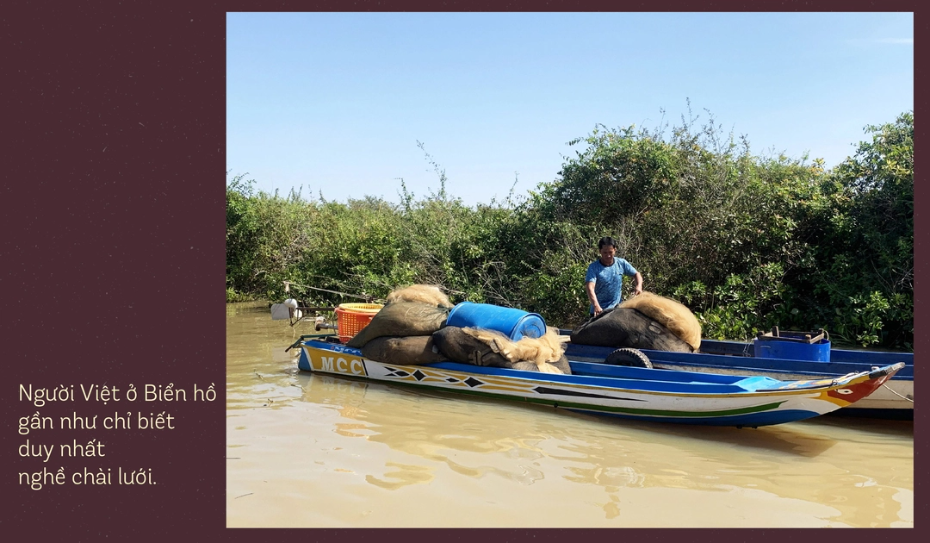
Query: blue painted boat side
pixel 581 369
pixel 751 364
pixel 532 387
pixel 749 420
pixel 608 376
pixel 875 358
pixel 872 357
pixel 617 377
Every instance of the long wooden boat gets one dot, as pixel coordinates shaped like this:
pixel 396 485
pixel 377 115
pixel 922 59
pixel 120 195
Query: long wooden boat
pixel 620 391
pixel 894 399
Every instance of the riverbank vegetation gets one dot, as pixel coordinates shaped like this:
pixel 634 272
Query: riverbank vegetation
pixel 747 242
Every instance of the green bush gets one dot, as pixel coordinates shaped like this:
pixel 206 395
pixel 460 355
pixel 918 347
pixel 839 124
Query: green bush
pixel 746 242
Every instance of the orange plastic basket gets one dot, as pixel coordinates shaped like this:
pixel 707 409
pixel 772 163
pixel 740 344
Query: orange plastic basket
pixel 351 318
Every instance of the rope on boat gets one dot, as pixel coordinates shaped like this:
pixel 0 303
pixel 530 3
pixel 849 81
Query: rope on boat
pixel 885 385
pixel 905 398
pixel 288 284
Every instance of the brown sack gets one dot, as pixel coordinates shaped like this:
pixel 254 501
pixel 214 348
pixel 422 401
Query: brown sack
pixel 669 313
pixel 625 327
pixel 480 347
pixel 402 350
pixel 458 346
pixel 401 319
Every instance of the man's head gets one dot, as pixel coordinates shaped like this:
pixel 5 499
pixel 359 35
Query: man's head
pixel 608 248
pixel 607 240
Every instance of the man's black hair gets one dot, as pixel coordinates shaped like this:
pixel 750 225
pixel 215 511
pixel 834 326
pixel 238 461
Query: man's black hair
pixel 607 240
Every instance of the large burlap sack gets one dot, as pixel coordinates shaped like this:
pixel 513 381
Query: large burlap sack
pixel 403 350
pixel 670 314
pixel 625 327
pixel 402 319
pixel 458 346
pixel 481 347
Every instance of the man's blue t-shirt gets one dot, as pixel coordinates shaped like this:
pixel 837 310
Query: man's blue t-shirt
pixel 609 280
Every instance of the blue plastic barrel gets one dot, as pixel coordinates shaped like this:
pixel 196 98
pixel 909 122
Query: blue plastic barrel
pixel 786 348
pixel 514 323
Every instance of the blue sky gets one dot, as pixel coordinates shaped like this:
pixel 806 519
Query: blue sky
pixel 336 103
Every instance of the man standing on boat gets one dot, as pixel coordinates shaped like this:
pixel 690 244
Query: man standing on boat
pixel 604 279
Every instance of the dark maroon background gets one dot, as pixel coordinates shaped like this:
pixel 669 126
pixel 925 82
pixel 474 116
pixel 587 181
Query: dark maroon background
pixel 112 257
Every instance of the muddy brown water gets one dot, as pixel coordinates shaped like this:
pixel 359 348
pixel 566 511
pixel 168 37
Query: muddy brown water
pixel 308 450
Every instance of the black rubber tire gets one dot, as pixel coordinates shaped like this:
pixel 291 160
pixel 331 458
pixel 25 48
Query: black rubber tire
pixel 628 356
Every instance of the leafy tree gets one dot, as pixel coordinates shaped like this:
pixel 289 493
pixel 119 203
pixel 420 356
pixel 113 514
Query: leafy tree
pixel 747 242
pixel 865 261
